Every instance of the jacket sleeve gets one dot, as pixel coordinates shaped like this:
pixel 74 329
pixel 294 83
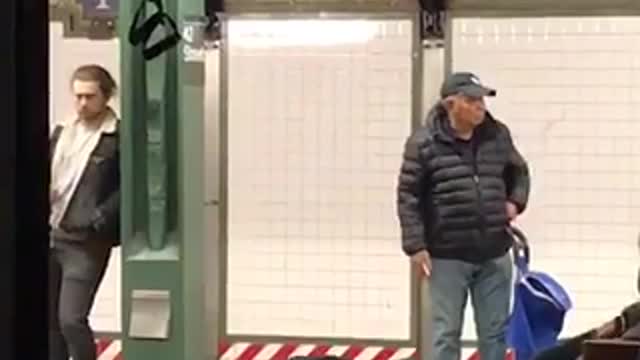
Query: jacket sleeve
pixel 568 349
pixel 107 214
pixel 516 176
pixel 411 184
pixel 631 316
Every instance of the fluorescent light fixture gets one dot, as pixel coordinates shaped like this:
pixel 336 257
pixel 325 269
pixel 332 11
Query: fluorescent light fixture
pixel 290 33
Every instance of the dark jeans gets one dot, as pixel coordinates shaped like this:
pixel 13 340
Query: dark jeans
pixel 75 272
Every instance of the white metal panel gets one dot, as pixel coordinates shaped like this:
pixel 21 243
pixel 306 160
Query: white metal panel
pixel 211 253
pixel 433 75
pixel 318 114
pixel 65 55
pixel 568 89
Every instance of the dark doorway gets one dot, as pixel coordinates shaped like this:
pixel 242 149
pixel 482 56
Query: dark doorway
pixel 23 178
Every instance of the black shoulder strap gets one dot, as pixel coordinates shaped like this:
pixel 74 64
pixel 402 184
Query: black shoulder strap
pixel 53 141
pixel 55 135
pixel 140 34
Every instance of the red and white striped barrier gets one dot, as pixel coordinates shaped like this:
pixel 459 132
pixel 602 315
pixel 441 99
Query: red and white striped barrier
pixel 476 356
pixel 249 351
pixel 111 350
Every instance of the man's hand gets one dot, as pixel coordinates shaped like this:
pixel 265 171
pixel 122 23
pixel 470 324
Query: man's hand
pixel 608 330
pixel 512 210
pixel 422 262
pixel 54 195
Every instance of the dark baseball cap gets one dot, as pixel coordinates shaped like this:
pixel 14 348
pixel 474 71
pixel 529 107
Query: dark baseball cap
pixel 464 83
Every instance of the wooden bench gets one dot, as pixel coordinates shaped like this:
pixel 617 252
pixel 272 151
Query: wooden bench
pixel 615 349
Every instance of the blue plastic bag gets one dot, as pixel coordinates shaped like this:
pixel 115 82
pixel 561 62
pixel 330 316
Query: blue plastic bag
pixel 540 304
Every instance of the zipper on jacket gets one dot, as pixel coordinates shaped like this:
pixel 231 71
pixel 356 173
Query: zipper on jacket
pixel 475 177
pixel 476 182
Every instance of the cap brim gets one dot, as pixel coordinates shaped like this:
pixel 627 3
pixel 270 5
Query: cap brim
pixel 477 91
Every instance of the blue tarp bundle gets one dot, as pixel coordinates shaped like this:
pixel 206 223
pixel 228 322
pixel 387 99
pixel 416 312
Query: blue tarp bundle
pixel 540 304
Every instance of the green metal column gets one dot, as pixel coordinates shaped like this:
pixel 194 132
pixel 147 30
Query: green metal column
pixel 162 199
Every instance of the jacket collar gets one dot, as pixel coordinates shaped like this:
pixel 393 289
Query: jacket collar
pixel 439 125
pixel 109 122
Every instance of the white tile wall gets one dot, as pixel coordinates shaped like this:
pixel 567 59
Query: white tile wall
pixel 316 130
pixel 65 55
pixel 569 89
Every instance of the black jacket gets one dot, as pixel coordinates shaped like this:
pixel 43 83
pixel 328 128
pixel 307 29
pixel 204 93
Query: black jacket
pixel 627 324
pixel 454 205
pixel 94 210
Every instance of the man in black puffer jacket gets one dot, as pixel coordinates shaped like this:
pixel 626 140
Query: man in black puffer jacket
pixel 462 181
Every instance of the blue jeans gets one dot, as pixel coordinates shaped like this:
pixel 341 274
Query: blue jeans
pixel 490 286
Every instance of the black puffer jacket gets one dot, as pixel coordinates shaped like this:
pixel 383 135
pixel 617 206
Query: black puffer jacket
pixel 455 207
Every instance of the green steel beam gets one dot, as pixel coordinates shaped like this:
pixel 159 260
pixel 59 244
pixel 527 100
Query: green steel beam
pixel 162 192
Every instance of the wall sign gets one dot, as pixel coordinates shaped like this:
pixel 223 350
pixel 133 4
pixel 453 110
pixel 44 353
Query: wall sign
pixel 193 29
pixel 100 8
